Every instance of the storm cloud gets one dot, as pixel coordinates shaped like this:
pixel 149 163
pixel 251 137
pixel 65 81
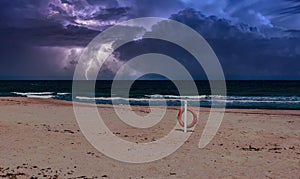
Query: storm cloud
pixel 253 40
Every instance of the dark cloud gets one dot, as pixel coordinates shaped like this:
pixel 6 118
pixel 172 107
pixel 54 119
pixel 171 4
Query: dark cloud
pixel 107 3
pixel 111 13
pixel 143 8
pixel 48 24
pixel 260 58
pixel 242 50
pixel 25 62
pixel 212 27
pixel 293 33
pixel 294 7
pixel 50 35
pixel 252 39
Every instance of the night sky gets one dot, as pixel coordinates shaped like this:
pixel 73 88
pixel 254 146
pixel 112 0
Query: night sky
pixel 257 39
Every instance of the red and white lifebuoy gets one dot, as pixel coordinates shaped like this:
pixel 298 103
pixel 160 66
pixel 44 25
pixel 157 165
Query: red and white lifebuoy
pixel 192 124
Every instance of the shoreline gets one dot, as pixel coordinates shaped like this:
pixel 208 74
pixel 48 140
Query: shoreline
pixel 41 138
pixel 58 102
pixel 68 102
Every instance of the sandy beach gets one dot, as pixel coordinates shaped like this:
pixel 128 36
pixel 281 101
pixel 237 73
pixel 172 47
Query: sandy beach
pixel 41 138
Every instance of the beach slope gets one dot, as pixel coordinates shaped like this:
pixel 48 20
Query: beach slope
pixel 41 138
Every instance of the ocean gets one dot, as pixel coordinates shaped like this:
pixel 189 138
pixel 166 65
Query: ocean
pixel 240 94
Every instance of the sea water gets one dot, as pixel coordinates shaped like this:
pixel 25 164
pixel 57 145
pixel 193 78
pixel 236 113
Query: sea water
pixel 240 94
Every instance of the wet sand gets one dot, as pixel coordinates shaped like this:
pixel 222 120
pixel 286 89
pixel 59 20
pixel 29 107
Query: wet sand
pixel 41 138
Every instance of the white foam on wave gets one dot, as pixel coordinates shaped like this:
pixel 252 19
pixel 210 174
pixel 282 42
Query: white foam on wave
pixel 117 98
pixel 255 101
pixel 44 95
pixel 40 96
pixel 176 97
pixel 32 93
pixel 205 98
pixel 62 94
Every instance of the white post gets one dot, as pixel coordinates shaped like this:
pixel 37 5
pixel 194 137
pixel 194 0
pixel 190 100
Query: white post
pixel 185 116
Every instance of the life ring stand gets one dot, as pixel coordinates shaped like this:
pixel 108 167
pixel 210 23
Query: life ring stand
pixel 192 124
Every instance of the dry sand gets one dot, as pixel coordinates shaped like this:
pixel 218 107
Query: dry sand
pixel 40 138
